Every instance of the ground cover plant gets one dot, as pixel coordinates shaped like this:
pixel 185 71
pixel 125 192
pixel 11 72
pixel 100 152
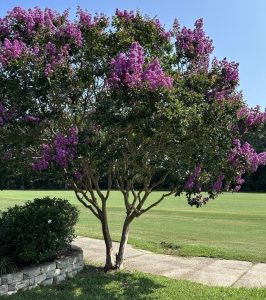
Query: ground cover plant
pixel 126 101
pixel 232 228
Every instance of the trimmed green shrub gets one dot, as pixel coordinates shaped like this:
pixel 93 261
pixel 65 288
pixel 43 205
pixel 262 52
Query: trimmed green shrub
pixel 37 231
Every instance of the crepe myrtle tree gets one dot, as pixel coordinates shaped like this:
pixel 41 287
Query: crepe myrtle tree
pixel 123 101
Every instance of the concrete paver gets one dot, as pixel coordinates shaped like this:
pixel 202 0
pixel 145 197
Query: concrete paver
pixel 209 271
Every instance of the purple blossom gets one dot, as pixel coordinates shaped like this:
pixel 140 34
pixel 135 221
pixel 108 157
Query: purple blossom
pixel 58 58
pixel 32 119
pixel 217 186
pixel 86 20
pixel 228 71
pixel 51 48
pixel 238 183
pixel 192 180
pixel 128 69
pixel 33 19
pixel 11 49
pixel 125 15
pixel 48 71
pixel 194 44
pixel 62 151
pixel 64 146
pixel 245 157
pixel 155 77
pixel 43 162
pixel 160 29
pixel 5 115
pixel 72 32
pixel 77 175
pixel 252 116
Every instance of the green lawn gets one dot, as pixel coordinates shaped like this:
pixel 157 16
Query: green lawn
pixel 93 284
pixel 231 227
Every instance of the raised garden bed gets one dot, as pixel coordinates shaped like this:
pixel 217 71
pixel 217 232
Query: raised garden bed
pixel 44 274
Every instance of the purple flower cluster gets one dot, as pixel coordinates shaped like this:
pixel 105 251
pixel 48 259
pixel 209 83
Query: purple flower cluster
pixel 32 20
pixel 217 186
pixel 77 175
pixel 155 77
pixel 31 119
pixel 160 29
pixel 62 151
pixel 57 58
pixel 252 116
pixel 71 32
pixel 192 181
pixel 194 44
pixel 228 71
pixel 20 27
pixel 5 115
pixel 245 157
pixel 125 15
pixel 238 181
pixel 10 50
pixel 129 70
pixel 43 162
pixel 2 115
pixel 51 48
pixel 87 21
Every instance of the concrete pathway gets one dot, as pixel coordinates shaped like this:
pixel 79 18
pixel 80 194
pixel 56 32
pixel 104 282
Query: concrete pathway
pixel 210 271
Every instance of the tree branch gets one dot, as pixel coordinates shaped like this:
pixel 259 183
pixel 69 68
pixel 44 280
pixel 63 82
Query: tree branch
pixel 142 211
pixel 80 199
pixel 159 181
pixel 109 186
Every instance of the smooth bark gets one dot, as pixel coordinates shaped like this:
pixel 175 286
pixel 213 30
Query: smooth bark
pixel 123 242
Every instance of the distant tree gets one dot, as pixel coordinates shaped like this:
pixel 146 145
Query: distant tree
pixel 130 103
pixel 257 180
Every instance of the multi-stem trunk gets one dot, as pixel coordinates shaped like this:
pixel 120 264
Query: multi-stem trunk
pixel 123 242
pixel 108 241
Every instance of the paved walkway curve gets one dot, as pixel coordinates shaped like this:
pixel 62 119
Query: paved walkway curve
pixel 210 271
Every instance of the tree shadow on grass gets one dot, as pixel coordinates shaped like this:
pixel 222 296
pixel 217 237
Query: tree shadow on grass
pixel 94 284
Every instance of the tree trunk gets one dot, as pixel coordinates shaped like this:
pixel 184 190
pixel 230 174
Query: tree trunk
pixel 123 243
pixel 108 246
pixel 109 264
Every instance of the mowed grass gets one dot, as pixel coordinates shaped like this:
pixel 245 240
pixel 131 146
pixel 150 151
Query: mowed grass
pixel 93 284
pixel 232 226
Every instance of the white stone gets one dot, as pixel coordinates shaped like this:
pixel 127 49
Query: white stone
pixel 47 267
pixel 40 278
pixel 12 278
pixel 62 263
pixel 3 289
pixel 59 278
pixel 47 282
pixel 50 274
pixel 31 272
pixel 19 285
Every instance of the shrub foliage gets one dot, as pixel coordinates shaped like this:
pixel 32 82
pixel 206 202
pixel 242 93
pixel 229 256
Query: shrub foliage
pixel 37 231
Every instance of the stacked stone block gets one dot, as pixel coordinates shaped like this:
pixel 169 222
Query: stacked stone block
pixel 44 274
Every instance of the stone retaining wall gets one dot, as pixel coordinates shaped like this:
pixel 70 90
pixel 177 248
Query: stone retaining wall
pixel 43 274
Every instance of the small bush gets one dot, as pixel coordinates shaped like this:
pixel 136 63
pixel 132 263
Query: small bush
pixel 37 231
